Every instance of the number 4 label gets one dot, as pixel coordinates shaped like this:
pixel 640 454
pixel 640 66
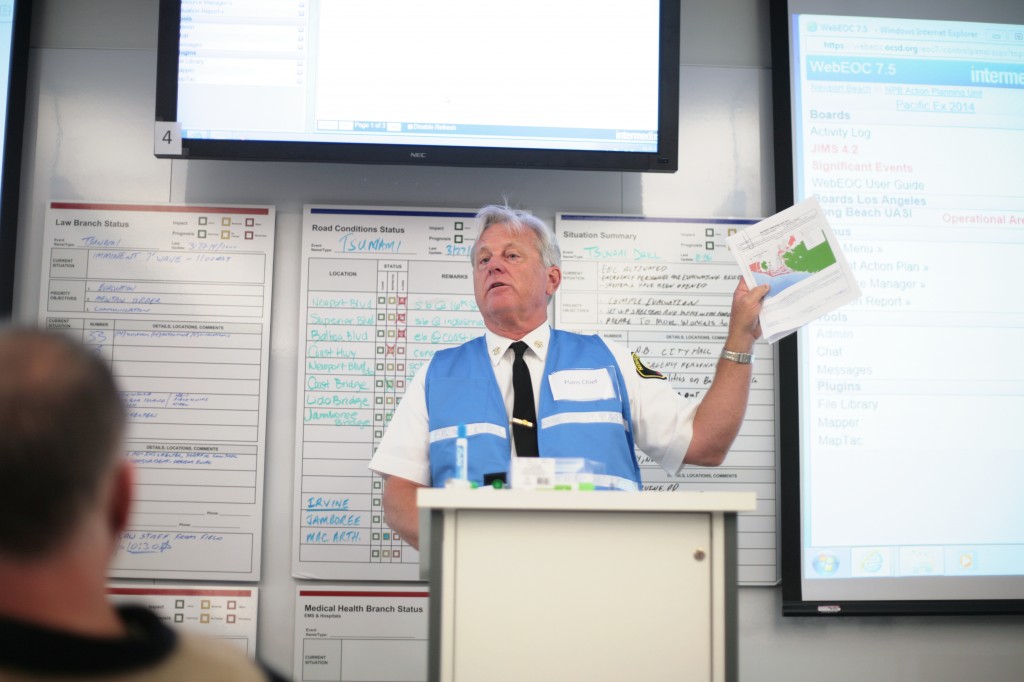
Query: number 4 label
pixel 167 138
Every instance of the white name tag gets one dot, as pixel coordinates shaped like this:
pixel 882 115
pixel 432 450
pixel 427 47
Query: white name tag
pixel 581 384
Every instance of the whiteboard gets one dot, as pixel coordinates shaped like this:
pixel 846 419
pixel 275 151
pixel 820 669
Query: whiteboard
pixel 213 611
pixel 176 298
pixel 361 633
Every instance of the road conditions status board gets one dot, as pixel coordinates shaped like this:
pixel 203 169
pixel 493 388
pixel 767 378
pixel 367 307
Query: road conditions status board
pixel 383 289
pixel 177 300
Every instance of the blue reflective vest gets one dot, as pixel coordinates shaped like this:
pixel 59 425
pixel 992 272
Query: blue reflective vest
pixel 461 389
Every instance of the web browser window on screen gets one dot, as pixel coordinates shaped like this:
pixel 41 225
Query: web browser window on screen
pixel 911 135
pixel 334 74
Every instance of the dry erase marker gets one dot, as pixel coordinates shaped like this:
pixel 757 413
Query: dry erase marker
pixel 462 454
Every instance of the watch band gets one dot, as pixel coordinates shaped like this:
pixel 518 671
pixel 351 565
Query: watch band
pixel 741 358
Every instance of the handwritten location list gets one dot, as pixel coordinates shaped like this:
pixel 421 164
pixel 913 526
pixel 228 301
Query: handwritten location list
pixel 383 289
pixel 370 325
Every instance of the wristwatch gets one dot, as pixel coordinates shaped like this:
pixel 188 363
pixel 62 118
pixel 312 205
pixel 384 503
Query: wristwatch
pixel 742 358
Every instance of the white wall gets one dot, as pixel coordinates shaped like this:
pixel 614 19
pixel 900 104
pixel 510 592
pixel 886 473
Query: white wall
pixel 89 137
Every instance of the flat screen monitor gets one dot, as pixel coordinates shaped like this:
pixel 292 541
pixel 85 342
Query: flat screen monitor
pixel 900 414
pixel 572 84
pixel 15 17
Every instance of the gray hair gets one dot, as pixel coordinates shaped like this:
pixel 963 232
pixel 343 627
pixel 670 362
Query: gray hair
pixel 518 221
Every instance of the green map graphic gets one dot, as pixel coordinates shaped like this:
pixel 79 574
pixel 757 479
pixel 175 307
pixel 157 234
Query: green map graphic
pixel 802 259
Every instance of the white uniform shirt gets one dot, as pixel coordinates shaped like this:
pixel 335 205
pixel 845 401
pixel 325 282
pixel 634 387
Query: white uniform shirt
pixel 662 419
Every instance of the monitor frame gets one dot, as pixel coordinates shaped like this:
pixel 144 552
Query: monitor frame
pixel 10 186
pixel 665 159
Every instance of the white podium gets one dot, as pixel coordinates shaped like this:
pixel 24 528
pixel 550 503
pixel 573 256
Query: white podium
pixel 591 585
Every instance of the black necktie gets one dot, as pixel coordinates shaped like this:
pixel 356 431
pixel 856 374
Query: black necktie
pixel 524 415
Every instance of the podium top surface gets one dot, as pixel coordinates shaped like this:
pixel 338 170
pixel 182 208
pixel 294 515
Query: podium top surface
pixel 585 500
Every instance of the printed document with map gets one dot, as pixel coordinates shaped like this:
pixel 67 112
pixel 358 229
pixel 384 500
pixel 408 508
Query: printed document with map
pixel 796 252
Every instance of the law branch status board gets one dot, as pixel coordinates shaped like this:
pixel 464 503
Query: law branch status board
pixel 177 300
